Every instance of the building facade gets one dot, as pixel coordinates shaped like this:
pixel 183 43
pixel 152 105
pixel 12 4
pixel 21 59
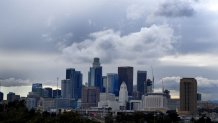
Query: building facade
pixel 95 75
pixel 155 102
pixel 72 86
pixel 1 96
pixel 31 103
pixel 188 95
pixel 148 86
pixel 11 97
pixel 90 97
pixel 66 89
pixel 141 82
pixel 37 89
pixel 108 100
pixel 56 93
pixel 113 83
pixel 105 83
pixel 123 95
pixel 47 92
pixel 125 74
pixel 51 104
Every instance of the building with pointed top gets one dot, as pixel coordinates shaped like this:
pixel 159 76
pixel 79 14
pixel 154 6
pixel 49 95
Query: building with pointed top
pixel 123 94
pixel 141 82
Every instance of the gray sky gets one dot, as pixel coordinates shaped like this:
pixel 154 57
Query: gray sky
pixel 39 39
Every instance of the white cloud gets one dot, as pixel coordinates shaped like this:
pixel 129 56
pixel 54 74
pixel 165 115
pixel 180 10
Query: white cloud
pixel 143 46
pixel 207 5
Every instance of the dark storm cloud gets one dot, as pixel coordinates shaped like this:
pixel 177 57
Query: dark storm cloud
pixel 43 27
pixel 14 82
pixel 175 8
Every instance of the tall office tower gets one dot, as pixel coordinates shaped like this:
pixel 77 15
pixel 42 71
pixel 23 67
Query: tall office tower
pixel 148 86
pixel 126 74
pixel 90 97
pixel 66 89
pixel 47 92
pixel 113 84
pixel 72 86
pixel 37 89
pixel 1 96
pixel 188 95
pixel 141 80
pixel 56 93
pixel 95 75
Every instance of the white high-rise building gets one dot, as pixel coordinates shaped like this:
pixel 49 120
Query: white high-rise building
pixel 123 94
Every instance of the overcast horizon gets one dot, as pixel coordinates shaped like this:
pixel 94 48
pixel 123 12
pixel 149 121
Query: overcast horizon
pixel 39 39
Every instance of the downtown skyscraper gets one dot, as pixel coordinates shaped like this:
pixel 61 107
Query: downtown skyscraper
pixel 95 75
pixel 72 86
pixel 141 82
pixel 112 83
pixel 125 74
pixel 188 95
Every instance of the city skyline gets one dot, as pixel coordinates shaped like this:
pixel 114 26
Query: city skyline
pixel 40 39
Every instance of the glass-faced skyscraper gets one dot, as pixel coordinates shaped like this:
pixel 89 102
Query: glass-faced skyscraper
pixel 125 74
pixel 37 88
pixel 141 82
pixel 112 83
pixel 72 86
pixel 95 75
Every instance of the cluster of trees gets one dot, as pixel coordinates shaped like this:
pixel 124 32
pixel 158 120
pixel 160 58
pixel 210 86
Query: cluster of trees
pixel 140 117
pixel 16 112
pixel 155 117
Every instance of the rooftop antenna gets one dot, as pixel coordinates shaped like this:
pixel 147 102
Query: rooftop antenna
pixel 162 86
pixel 57 86
pixel 152 78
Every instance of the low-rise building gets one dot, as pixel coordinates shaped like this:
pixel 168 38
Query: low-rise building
pixel 50 104
pixel 135 105
pixel 108 100
pixel 154 102
pixel 173 104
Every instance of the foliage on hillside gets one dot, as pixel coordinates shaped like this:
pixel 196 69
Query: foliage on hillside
pixel 16 112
